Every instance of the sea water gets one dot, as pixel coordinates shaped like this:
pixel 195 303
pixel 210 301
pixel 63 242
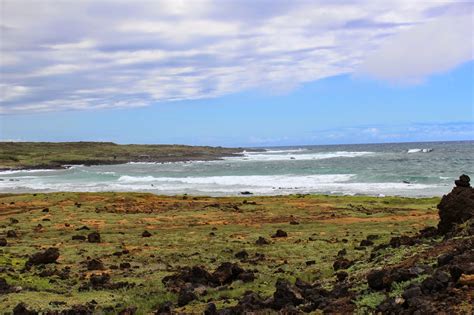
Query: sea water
pixel 405 169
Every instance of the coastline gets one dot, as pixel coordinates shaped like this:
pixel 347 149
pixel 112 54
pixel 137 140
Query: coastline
pixel 62 155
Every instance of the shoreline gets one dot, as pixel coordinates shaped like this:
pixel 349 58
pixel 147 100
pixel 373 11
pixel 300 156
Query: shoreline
pixel 238 196
pixel 17 156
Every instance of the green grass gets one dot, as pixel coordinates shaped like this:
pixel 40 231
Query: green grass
pixel 53 155
pixel 181 227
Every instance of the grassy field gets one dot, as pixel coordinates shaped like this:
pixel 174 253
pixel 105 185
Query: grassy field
pixel 54 155
pixel 194 231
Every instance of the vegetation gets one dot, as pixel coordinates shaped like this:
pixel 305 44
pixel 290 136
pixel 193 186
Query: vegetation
pixel 194 231
pixel 56 155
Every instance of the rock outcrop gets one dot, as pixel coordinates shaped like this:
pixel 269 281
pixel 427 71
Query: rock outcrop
pixel 456 207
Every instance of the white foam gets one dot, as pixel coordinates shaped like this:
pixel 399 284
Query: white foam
pixel 287 181
pixel 343 184
pixel 286 151
pixel 267 156
pixel 27 171
pixel 427 150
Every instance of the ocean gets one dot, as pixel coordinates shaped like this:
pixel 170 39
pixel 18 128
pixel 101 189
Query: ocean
pixel 404 169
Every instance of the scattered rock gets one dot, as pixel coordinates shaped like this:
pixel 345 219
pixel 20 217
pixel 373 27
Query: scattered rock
pixel 185 297
pixel 49 256
pixel 211 309
pixel 13 221
pixel 341 276
pixel 378 279
pixel 165 308
pixel 99 281
pixel 196 276
pixel 280 233
pixel 3 242
pixel 93 237
pixel 342 252
pixel 131 310
pixel 95 264
pixel 22 309
pixel 445 259
pixel 78 238
pixel 242 255
pixel 11 234
pixel 83 228
pixel 262 241
pixel 341 263
pixel 146 234
pixel 125 265
pixel 4 286
pixel 365 243
pixel 286 294
pixel 372 237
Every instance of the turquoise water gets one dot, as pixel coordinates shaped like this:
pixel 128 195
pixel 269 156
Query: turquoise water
pixel 409 169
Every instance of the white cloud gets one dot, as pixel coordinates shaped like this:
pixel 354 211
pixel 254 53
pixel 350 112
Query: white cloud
pixel 425 49
pixel 91 54
pixel 56 70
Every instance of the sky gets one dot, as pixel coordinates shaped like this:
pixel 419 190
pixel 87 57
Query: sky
pixel 237 73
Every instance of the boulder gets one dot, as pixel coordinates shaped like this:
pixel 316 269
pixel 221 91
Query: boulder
pixel 185 297
pixel 242 255
pixel 456 207
pixel 146 234
pixel 280 233
pixel 99 281
pixel 49 256
pixel 93 237
pixel 95 264
pixel 3 242
pixel 341 263
pixel 22 309
pixel 379 279
pixel 4 286
pixel 262 241
pixel 286 294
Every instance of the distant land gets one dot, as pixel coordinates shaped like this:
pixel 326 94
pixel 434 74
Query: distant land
pixel 50 155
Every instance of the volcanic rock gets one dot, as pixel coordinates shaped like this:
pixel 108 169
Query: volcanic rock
pixel 4 286
pixel 341 276
pixel 456 207
pixel 49 256
pixel 262 241
pixel 99 281
pixel 95 264
pixel 379 279
pixel 280 233
pixel 186 296
pixel 22 309
pixel 242 255
pixel 286 294
pixel 341 263
pixel 93 237
pixel 165 308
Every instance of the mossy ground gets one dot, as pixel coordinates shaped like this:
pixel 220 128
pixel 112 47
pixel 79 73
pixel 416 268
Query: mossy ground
pixel 181 228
